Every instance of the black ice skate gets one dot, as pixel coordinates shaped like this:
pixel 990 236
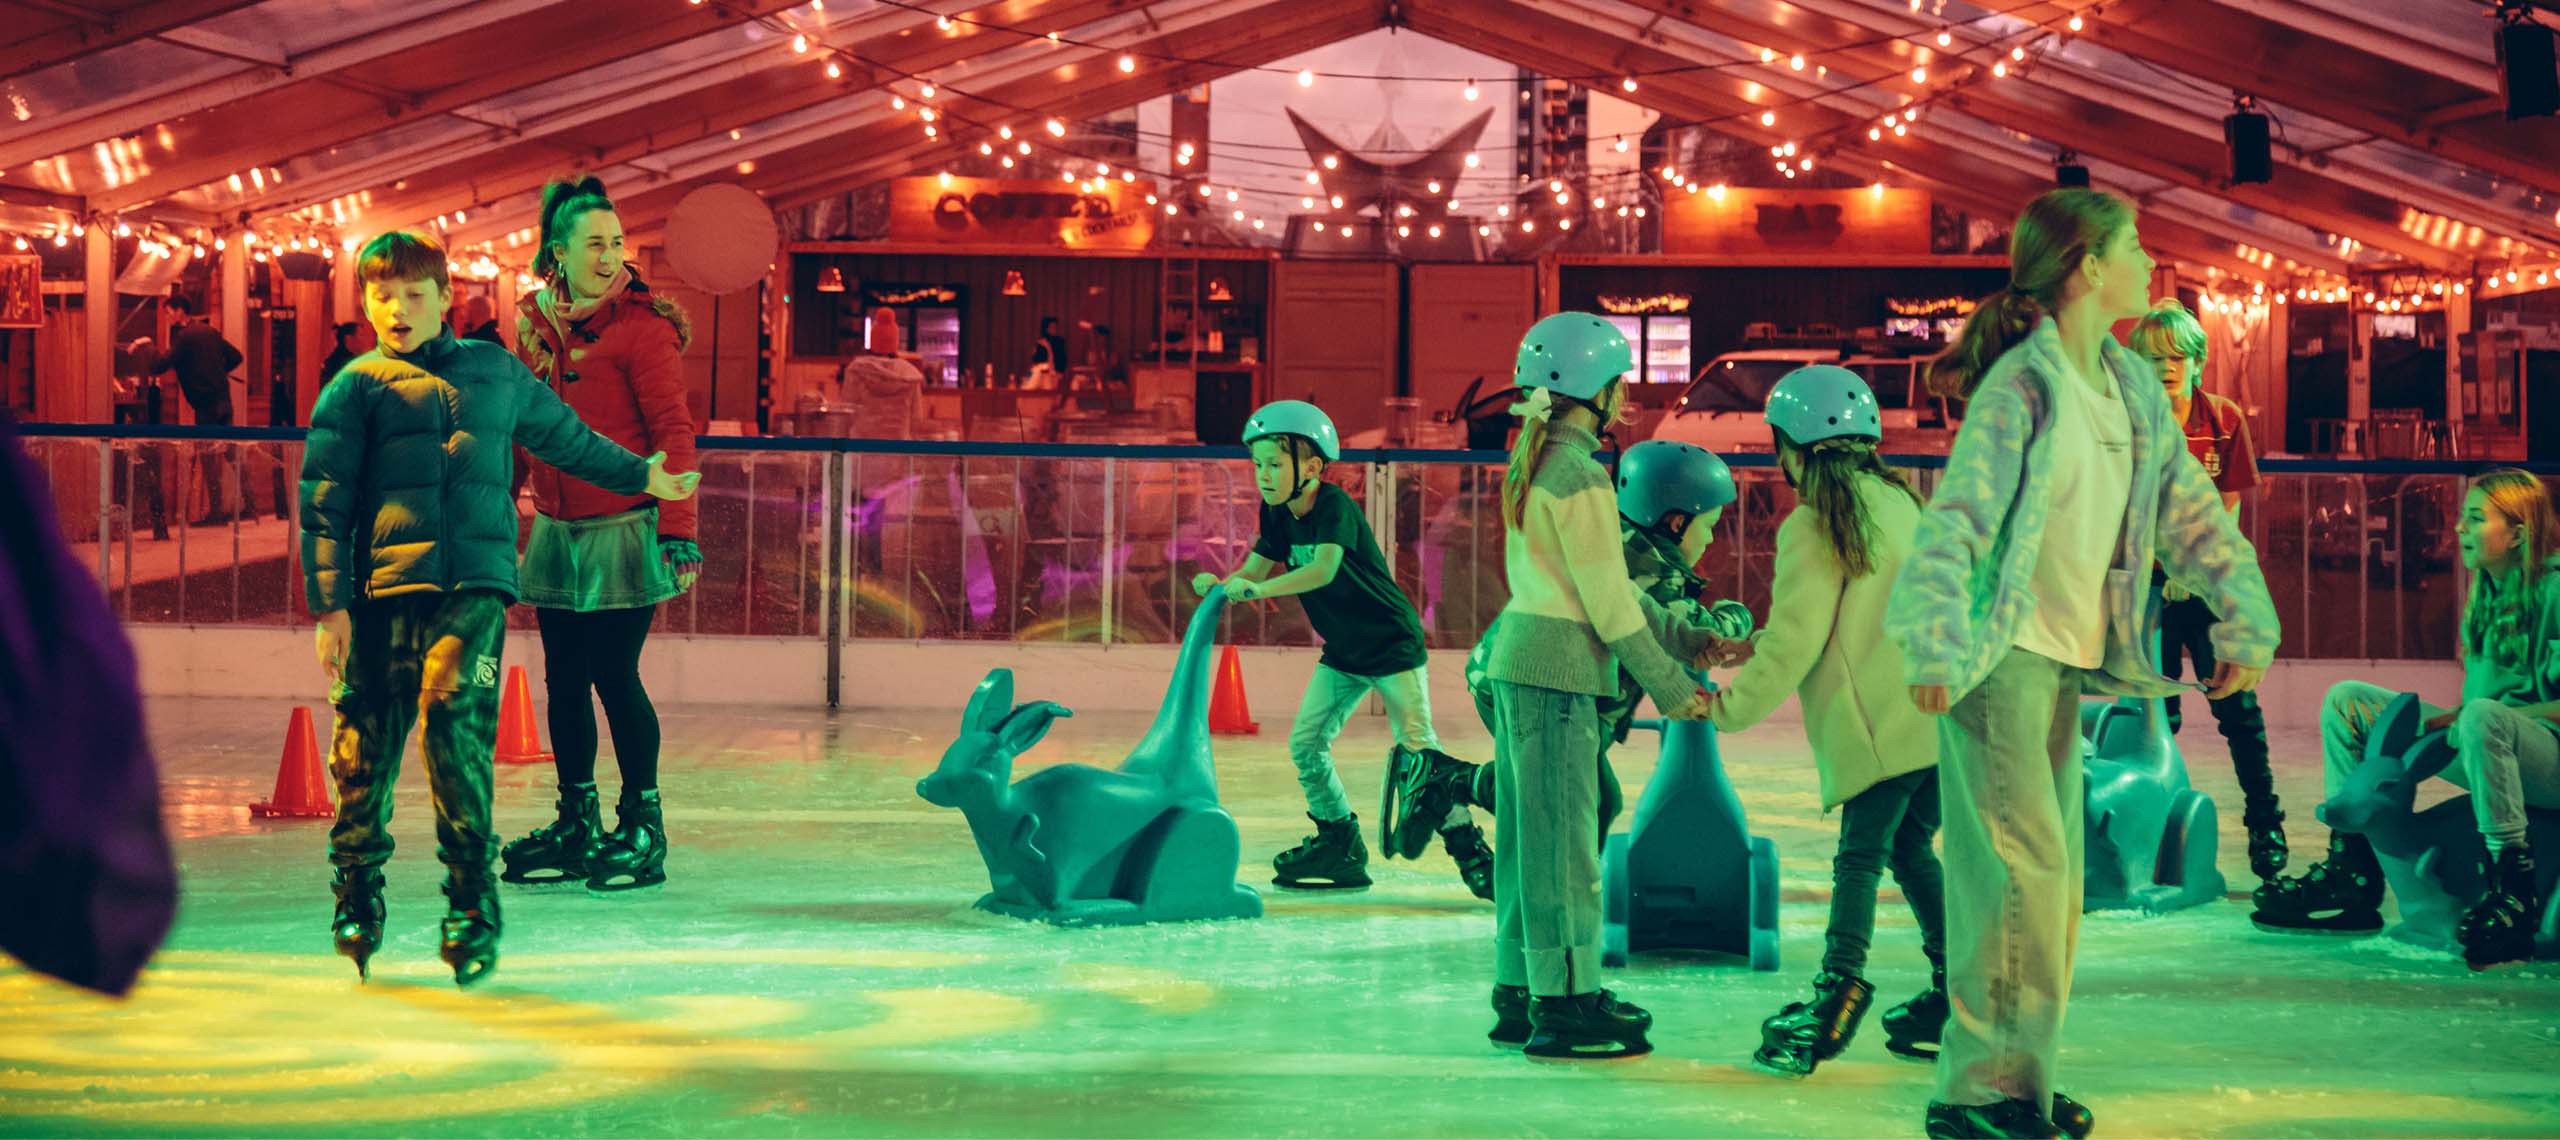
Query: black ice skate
pixel 1805 1034
pixel 1474 857
pixel 1332 859
pixel 2264 824
pixel 2341 894
pixel 1912 1028
pixel 1587 1027
pixel 558 852
pixel 2008 1118
pixel 1510 1016
pixel 1422 786
pixel 358 925
pixel 471 924
pixel 634 854
pixel 2498 930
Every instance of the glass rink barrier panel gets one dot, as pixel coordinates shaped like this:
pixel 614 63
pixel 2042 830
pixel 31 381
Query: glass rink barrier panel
pixel 886 540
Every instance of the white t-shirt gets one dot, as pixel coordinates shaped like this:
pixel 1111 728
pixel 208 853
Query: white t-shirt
pixel 2091 475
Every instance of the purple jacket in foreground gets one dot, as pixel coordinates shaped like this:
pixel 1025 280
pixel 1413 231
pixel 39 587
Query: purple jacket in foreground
pixel 87 884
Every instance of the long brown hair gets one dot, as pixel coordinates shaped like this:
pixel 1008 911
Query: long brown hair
pixel 563 203
pixel 1532 444
pixel 2521 497
pixel 1827 481
pixel 2058 231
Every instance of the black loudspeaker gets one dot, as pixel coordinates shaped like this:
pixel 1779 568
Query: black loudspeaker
pixel 2071 174
pixel 2528 70
pixel 2251 159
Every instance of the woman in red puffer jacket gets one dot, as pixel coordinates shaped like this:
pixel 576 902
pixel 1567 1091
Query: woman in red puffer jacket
pixel 598 563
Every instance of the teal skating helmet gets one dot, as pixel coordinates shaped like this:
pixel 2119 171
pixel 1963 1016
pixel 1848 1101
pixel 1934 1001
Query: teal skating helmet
pixel 1823 401
pixel 1660 476
pixel 1572 354
pixel 1298 418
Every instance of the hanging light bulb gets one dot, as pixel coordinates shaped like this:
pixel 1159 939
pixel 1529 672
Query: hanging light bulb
pixel 1470 91
pixel 1057 130
pixel 800 45
pixel 1332 162
pixel 1473 161
pixel 1023 148
pixel 1874 135
pixel 833 71
pixel 925 115
pixel 1628 85
pixel 986 148
pixel 1433 231
pixel 925 92
pixel 1622 144
pixel 1796 61
pixel 1404 231
pixel 1768 118
pixel 1767 55
pixel 945 177
pixel 1170 209
pixel 2018 54
pixel 1919 75
pixel 1484 231
pixel 897 102
pixel 2000 69
pixel 1945 37
pixel 2075 23
pixel 1432 187
pixel 1306 78
pixel 1335 201
pixel 1128 64
pixel 1563 199
pixel 1528 225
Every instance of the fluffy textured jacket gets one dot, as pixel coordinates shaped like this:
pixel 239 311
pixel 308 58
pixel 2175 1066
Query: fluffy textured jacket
pixel 622 369
pixel 1961 598
pixel 1825 643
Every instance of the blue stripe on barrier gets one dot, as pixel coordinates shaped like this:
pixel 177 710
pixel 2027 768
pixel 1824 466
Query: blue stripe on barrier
pixel 1168 452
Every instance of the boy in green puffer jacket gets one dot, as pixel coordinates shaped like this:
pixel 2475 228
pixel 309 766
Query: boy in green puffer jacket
pixel 409 556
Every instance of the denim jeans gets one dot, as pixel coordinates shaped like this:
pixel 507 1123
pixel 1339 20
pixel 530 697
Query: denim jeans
pixel 1331 697
pixel 2010 779
pixel 1890 824
pixel 1546 859
pixel 2507 760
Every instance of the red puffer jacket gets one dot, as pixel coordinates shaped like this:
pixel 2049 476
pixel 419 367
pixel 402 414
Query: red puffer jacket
pixel 623 373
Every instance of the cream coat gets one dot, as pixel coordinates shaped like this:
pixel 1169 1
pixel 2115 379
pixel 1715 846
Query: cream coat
pixel 1825 643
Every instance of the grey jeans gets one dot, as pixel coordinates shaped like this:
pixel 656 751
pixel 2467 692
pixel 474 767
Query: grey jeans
pixel 1546 863
pixel 1332 696
pixel 2010 781
pixel 2507 760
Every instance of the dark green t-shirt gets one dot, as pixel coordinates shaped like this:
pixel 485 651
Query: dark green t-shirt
pixel 1369 629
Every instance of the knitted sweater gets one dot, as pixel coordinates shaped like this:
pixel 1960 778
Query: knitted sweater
pixel 1574 616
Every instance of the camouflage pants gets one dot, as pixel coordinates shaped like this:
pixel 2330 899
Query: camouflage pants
pixel 430 654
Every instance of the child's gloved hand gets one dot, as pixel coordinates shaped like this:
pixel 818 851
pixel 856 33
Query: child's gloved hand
pixel 1726 653
pixel 684 558
pixel 1695 708
pixel 666 485
pixel 1203 582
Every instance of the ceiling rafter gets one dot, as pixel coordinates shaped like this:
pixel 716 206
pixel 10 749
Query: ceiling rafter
pixel 81 33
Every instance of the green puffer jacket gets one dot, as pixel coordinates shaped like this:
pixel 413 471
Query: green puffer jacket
pixel 408 472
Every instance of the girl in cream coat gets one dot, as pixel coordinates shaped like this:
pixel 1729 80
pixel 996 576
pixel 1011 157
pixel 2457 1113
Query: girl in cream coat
pixel 1877 753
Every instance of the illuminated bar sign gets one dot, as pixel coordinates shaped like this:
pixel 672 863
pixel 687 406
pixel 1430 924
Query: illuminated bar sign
pixel 1930 308
pixel 1624 305
pixel 1021 213
pixel 1745 220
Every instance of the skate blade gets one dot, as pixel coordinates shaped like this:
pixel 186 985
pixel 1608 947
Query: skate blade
pixel 1319 887
pixel 1612 1051
pixel 2315 931
pixel 534 880
pixel 1779 1068
pixel 1913 1051
pixel 469 971
pixel 614 888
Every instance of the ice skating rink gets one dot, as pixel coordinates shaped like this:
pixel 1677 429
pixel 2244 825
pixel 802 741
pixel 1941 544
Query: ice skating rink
pixel 813 967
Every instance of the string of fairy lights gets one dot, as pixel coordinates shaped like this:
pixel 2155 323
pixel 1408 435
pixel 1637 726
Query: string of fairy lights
pixel 971 122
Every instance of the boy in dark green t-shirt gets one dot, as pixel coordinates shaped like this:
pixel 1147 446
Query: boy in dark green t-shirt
pixel 1315 546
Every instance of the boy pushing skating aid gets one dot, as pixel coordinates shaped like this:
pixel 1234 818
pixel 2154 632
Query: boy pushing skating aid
pixel 1314 537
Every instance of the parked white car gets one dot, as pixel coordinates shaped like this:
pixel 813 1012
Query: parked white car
pixel 1720 410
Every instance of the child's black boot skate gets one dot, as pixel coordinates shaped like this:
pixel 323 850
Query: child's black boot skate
pixel 471 924
pixel 634 854
pixel 1474 857
pixel 557 852
pixel 1332 859
pixel 2341 894
pixel 357 928
pixel 1805 1034
pixel 1592 1026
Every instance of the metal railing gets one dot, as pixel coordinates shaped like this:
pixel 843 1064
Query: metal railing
pixel 867 539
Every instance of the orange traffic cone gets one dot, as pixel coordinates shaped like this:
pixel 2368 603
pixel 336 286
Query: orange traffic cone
pixel 1227 713
pixel 518 741
pixel 302 787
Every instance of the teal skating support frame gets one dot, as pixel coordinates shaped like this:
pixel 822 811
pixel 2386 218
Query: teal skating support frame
pixel 1076 845
pixel 2151 838
pixel 1688 874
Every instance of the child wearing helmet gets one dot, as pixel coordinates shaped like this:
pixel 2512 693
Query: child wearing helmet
pixel 1670 496
pixel 1317 547
pixel 1838 553
pixel 1573 618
